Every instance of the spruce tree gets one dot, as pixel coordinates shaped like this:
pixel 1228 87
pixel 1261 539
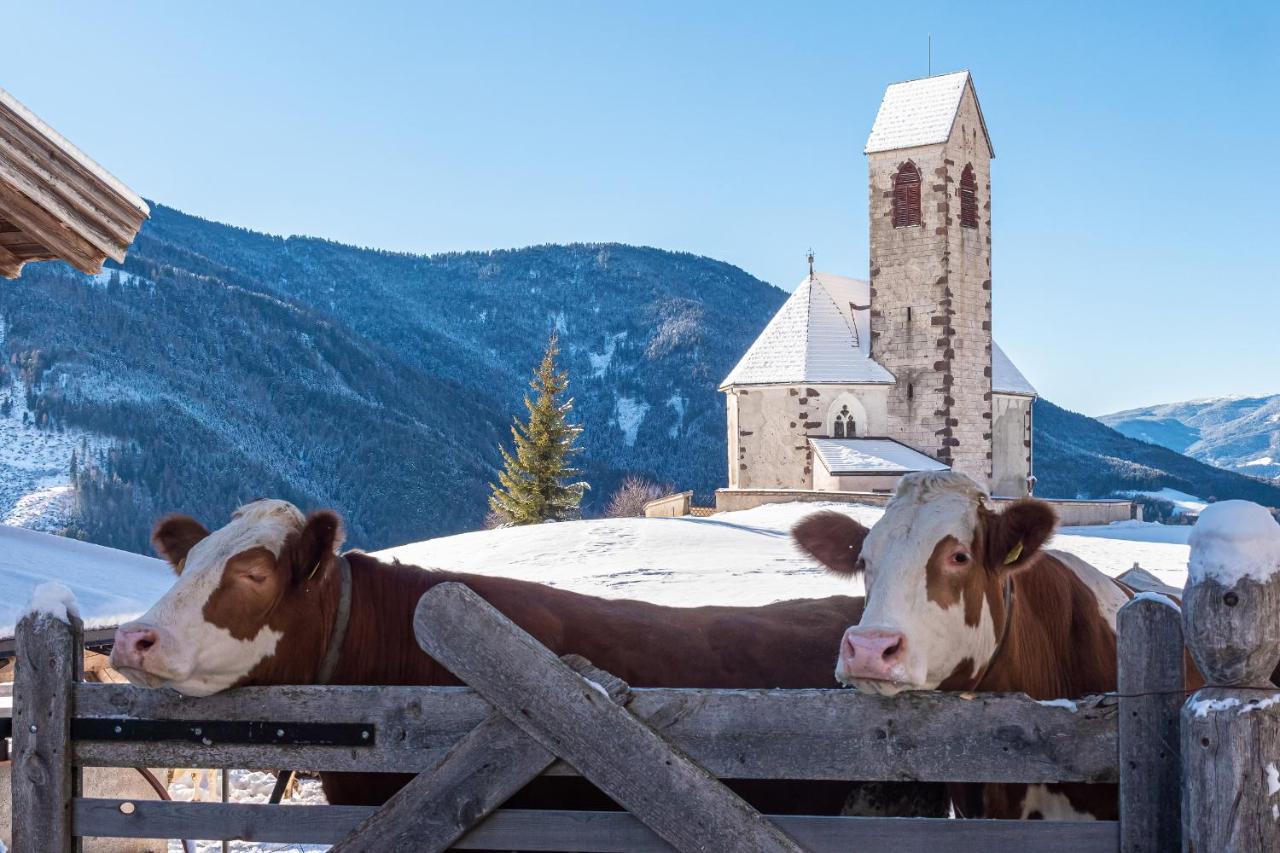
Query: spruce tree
pixel 538 483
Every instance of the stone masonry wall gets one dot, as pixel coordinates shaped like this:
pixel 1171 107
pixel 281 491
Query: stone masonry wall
pixel 931 300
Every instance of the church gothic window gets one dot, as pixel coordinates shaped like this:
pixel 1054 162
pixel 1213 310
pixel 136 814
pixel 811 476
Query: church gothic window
pixel 968 198
pixel 844 426
pixel 906 196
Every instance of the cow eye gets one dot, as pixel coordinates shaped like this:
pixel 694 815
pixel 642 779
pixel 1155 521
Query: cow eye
pixel 960 558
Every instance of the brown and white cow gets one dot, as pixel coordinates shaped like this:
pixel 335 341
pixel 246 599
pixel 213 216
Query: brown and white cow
pixel 258 602
pixel 959 597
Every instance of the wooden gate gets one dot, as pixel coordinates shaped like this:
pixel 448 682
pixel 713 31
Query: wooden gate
pixel 660 753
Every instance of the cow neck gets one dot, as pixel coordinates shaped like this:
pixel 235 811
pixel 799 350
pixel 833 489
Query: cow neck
pixel 341 620
pixel 1009 598
pixel 379 646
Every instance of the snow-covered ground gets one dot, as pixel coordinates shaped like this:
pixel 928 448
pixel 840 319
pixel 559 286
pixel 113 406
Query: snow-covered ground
pixel 742 558
pixel 1182 502
pixel 110 585
pixel 246 786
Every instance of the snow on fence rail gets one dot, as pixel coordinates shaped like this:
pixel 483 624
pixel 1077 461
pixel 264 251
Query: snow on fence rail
pixel 657 752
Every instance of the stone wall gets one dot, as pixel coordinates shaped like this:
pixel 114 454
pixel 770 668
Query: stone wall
pixel 1010 445
pixel 770 427
pixel 1070 513
pixel 931 300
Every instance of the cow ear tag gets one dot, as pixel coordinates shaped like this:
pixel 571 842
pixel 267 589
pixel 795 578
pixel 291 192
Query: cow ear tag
pixel 1014 553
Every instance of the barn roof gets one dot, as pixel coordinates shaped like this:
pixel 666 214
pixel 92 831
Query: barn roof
pixel 55 202
pixel 822 334
pixel 921 112
pixel 871 456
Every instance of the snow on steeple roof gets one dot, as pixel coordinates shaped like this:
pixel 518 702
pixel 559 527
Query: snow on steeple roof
pixel 822 334
pixel 921 112
pixel 1005 377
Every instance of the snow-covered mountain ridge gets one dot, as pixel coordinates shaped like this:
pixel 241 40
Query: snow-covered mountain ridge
pixel 1237 433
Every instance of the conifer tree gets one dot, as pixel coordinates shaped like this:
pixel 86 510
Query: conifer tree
pixel 538 483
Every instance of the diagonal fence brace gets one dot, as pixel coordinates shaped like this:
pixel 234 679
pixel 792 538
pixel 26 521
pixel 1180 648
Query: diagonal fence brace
pixel 651 778
pixel 482 771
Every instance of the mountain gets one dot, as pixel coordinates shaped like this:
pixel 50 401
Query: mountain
pixel 220 364
pixel 1077 456
pixel 1238 433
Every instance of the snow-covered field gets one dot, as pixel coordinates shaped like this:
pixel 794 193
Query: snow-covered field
pixel 109 585
pixel 742 558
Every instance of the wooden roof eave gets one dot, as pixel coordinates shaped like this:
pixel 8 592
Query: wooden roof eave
pixel 58 199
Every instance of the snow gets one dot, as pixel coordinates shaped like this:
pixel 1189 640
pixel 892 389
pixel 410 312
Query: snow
pixel 1183 503
pixel 1007 378
pixel 600 362
pixel 677 403
pixel 734 558
pixel 1069 704
pixel 55 599
pixel 871 456
pixel 629 414
pixel 1261 460
pixel 822 333
pixel 245 786
pixel 35 464
pixel 1233 540
pixel 917 112
pixel 1158 598
pixel 111 586
pixel 1203 707
pixel 1273 780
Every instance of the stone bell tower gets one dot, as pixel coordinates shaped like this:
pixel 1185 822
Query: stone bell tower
pixel 929 164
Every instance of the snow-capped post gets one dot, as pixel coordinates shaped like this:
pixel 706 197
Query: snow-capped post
pixel 49 641
pixel 1231 728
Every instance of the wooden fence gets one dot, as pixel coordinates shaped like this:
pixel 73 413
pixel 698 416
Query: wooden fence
pixel 658 752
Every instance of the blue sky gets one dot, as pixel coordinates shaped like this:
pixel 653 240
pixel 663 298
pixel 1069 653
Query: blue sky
pixel 1136 225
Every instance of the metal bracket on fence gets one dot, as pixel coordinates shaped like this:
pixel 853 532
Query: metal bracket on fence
pixel 225 732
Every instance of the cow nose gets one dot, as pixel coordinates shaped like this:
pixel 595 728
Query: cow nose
pixel 132 643
pixel 874 654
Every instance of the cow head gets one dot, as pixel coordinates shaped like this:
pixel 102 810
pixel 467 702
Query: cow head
pixel 240 591
pixel 935 567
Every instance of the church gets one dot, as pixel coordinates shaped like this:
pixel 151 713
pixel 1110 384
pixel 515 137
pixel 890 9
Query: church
pixel 856 382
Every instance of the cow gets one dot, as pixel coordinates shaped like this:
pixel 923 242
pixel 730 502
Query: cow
pixel 962 598
pixel 261 601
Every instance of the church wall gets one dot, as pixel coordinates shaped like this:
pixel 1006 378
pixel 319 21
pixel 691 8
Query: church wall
pixel 1011 445
pixel 770 427
pixel 931 300
pixel 827 482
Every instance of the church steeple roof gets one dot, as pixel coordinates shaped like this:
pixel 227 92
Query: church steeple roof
pixel 821 335
pixel 921 112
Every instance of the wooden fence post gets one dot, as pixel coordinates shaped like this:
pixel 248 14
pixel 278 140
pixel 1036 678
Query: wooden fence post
pixel 1151 678
pixel 44 780
pixel 1231 728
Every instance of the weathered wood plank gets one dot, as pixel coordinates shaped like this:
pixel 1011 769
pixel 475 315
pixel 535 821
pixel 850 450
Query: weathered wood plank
pixel 1151 675
pixel 489 765
pixel 50 231
pixel 44 780
pixel 650 777
pixel 581 831
pixel 745 734
pixel 1231 771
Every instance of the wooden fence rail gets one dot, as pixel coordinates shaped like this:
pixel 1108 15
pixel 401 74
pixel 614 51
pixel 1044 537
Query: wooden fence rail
pixel 658 752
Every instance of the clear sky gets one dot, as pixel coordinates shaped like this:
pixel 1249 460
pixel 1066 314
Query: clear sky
pixel 1136 214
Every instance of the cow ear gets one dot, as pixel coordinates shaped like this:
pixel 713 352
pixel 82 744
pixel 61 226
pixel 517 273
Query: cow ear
pixel 174 536
pixel 309 552
pixel 1016 535
pixel 833 539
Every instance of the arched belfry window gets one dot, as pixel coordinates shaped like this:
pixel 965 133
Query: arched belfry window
pixel 906 196
pixel 844 425
pixel 968 198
